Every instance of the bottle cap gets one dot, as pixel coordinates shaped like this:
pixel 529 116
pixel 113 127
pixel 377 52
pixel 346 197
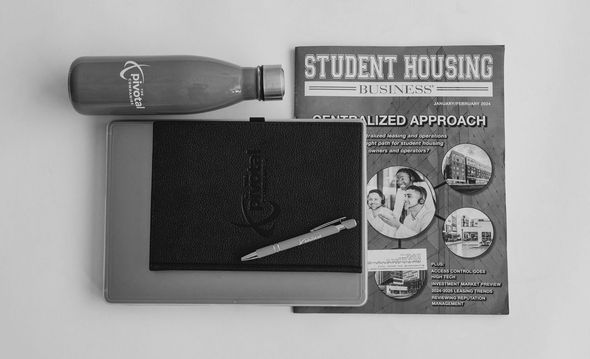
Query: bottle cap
pixel 273 82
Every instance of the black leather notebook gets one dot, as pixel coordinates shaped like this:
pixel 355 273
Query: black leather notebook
pixel 221 190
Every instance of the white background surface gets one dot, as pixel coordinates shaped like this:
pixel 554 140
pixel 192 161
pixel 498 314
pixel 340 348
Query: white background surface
pixel 53 165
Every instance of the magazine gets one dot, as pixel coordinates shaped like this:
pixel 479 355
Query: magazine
pixel 435 169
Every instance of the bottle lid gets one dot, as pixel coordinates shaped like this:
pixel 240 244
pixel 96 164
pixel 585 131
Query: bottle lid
pixel 273 82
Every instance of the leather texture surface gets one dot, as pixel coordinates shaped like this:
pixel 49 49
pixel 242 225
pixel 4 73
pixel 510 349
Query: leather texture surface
pixel 221 190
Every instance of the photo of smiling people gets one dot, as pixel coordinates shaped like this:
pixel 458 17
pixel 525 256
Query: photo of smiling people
pixel 400 201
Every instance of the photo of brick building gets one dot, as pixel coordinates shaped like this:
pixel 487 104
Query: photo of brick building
pixel 467 168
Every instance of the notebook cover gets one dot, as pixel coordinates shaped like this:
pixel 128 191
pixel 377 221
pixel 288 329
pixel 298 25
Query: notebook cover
pixel 221 190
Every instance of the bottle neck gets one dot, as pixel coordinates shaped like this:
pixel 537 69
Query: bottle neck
pixel 251 83
pixel 264 83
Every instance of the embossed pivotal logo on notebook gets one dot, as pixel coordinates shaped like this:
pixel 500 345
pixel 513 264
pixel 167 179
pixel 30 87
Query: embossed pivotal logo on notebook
pixel 258 212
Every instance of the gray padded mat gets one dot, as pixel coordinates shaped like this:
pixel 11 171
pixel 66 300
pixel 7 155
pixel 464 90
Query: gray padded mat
pixel 127 277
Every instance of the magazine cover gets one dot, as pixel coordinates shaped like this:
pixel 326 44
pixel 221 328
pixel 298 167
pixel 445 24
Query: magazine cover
pixel 435 192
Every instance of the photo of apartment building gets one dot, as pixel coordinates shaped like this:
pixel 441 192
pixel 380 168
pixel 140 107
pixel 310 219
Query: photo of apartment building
pixel 400 284
pixel 467 168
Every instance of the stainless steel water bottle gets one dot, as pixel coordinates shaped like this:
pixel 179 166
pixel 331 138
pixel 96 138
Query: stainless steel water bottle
pixel 167 84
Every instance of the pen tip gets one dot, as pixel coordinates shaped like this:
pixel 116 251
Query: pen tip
pixel 249 257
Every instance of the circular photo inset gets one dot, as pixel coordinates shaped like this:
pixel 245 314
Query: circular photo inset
pixel 400 284
pixel 467 168
pixel 400 202
pixel 468 232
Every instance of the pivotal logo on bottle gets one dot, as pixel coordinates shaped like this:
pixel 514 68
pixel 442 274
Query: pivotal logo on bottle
pixel 133 73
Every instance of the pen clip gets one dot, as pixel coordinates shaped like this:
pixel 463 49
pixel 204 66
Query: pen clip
pixel 339 220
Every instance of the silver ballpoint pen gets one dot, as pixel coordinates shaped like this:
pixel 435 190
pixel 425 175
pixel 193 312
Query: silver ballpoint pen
pixel 322 231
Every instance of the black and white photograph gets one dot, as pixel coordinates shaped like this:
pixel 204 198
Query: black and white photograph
pixel 400 284
pixel 468 232
pixel 400 202
pixel 294 179
pixel 467 168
